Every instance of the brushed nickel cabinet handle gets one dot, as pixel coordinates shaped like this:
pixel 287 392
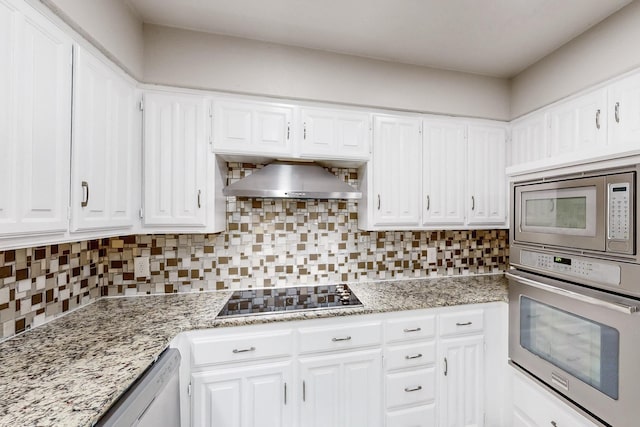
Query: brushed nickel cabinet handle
pixel 85 194
pixel 410 389
pixel 199 193
pixel 554 424
pixel 446 367
pixel 598 119
pixel 473 203
pixel 617 112
pixel 415 356
pixel 428 203
pixel 463 324
pixel 378 202
pixel 304 391
pixel 304 136
pixel 285 393
pixel 244 350
pixel 347 338
pixel 412 330
pixel 288 130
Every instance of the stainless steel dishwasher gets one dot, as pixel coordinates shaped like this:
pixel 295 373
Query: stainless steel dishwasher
pixel 153 400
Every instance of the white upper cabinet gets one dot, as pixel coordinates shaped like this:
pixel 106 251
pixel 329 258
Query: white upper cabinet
pixel 443 170
pixel 35 122
pixel 175 159
pixel 329 133
pixel 486 179
pixel 106 142
pixel 529 139
pixel 624 112
pixel 395 172
pixel 252 128
pixel 579 125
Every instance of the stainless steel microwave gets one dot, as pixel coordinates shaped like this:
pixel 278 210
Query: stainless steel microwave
pixel 594 213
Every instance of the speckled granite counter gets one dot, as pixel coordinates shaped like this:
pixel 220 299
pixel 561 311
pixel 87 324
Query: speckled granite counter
pixel 69 371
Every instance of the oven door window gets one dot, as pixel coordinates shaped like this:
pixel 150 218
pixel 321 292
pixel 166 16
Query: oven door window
pixel 566 211
pixel 581 347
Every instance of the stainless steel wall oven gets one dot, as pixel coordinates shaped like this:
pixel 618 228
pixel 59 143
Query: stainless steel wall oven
pixel 574 290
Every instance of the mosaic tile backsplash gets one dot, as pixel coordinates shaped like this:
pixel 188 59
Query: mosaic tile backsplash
pixel 268 243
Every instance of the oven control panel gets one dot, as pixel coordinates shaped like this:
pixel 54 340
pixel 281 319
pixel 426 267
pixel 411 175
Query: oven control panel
pixel 619 208
pixel 583 268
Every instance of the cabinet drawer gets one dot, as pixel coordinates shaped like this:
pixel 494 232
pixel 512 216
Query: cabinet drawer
pixel 326 338
pixel 410 355
pixel 408 388
pixel 206 351
pixel 422 416
pixel 462 322
pixel 410 328
pixel 529 397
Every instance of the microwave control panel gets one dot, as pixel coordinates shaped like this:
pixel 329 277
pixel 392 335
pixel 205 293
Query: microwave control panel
pixel 619 208
pixel 583 268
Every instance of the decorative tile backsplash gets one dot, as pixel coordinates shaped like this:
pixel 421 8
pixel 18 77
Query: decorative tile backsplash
pixel 268 243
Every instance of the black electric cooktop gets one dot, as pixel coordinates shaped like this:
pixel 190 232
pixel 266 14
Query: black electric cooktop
pixel 298 298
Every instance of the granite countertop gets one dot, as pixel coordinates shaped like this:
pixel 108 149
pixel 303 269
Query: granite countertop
pixel 69 371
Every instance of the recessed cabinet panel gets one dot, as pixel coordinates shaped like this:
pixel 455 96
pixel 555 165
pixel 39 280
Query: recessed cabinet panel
pixel 529 139
pixel 175 147
pixel 8 118
pixel 336 134
pixel 486 179
pixel 444 168
pixel 624 112
pixel 397 170
pixel 37 118
pixel 104 175
pixel 252 128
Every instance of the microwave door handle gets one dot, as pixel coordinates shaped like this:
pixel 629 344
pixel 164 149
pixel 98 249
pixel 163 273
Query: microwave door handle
pixel 602 302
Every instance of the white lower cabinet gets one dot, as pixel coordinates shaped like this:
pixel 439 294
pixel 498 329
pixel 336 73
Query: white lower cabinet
pixel 534 406
pixel 247 396
pixel 461 387
pixel 369 371
pixel 341 390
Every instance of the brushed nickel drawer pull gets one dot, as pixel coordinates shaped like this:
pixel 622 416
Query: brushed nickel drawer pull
pixel 85 194
pixel 378 202
pixel 463 324
pixel 598 119
pixel 617 112
pixel 413 330
pixel 428 202
pixel 410 389
pixel 199 204
pixel 285 393
pixel 415 356
pixel 446 367
pixel 244 350
pixel 347 338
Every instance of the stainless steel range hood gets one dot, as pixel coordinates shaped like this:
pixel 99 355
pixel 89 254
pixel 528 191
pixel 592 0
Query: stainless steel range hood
pixel 292 181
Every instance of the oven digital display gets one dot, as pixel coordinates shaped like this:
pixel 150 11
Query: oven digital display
pixel 561 260
pixel 616 189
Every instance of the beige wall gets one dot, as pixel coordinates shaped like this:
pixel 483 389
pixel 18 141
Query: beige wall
pixel 608 49
pixel 109 24
pixel 199 60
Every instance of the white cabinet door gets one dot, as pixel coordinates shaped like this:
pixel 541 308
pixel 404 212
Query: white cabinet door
pixel 461 386
pixel 175 157
pixel 397 155
pixel 579 125
pixel 35 113
pixel 335 134
pixel 529 139
pixel 252 128
pixel 342 390
pixel 624 112
pixel 250 396
pixel 486 180
pixel 444 169
pixel 104 175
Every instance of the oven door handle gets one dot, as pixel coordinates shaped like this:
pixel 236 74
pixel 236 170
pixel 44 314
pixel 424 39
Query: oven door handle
pixel 602 302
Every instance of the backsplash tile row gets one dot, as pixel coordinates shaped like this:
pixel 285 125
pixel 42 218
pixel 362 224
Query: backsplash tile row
pixel 268 243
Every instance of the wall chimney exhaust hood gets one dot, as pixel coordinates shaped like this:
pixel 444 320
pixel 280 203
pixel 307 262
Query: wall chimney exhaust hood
pixel 292 181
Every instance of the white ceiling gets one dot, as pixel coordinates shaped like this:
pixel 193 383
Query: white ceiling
pixel 491 37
